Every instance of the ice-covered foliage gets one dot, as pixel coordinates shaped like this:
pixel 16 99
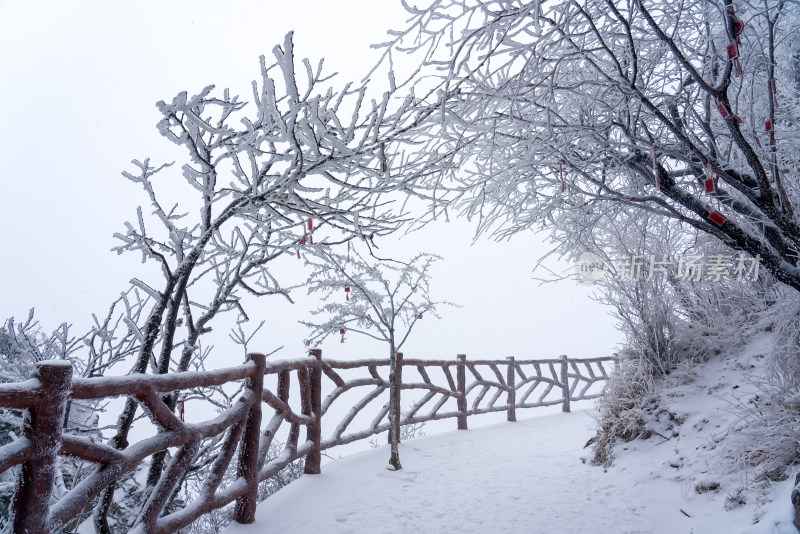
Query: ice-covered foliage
pixel 22 345
pixel 673 309
pixel 680 110
pixel 768 436
pixel 620 414
pixel 380 299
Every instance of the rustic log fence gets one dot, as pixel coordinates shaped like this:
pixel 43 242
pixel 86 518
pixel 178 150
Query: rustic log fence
pixel 439 389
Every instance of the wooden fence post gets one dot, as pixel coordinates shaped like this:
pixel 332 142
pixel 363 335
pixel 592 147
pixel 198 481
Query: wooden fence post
pixel 284 382
pixel 565 384
pixel 461 386
pixel 245 511
pixel 512 391
pixel 42 426
pixel 398 373
pixel 314 456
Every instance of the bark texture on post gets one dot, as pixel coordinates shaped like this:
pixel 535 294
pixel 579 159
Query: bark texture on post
pixel 245 511
pixel 284 382
pixel 565 384
pixel 314 433
pixel 42 427
pixel 512 391
pixel 461 385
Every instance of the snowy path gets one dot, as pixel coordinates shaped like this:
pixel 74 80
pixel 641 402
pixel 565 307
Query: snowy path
pixel 504 478
pixel 524 477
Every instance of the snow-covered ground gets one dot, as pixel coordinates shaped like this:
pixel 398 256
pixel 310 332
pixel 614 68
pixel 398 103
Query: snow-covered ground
pixel 533 476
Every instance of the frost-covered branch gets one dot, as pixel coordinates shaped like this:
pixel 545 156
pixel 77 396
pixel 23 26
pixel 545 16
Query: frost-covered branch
pixel 381 300
pixel 547 108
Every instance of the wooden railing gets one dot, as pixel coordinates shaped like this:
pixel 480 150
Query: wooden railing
pixel 438 389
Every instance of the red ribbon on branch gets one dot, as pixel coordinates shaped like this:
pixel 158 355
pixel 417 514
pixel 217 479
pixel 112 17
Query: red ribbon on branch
pixel 733 51
pixel 347 292
pixel 725 112
pixel 737 67
pixel 709 183
pixel 733 55
pixel 773 90
pixel 723 109
pixel 717 218
pixel 737 25
pixel 738 29
pixel 769 127
pixel 341 331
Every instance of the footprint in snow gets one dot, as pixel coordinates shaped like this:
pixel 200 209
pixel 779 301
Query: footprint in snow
pixel 404 475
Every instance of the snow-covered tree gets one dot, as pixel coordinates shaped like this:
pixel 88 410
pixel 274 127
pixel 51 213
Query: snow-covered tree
pixel 685 110
pixel 258 179
pixel 255 182
pixel 382 300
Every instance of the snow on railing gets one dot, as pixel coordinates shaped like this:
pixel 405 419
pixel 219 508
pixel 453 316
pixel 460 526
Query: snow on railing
pixel 438 389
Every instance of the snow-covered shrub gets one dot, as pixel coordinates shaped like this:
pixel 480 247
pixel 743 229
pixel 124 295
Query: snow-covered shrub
pixel 769 438
pixel 620 408
pixel 720 314
pixel 648 318
pixel 670 318
pixel 665 331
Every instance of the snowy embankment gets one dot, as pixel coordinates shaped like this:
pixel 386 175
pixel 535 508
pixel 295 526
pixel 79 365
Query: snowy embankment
pixel 532 476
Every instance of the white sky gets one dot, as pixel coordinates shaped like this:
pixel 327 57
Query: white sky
pixel 79 84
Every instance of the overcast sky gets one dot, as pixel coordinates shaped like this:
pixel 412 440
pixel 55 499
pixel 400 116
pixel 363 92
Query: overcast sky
pixel 79 84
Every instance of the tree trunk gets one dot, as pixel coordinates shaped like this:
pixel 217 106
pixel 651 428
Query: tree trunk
pixel 796 501
pixel 394 409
